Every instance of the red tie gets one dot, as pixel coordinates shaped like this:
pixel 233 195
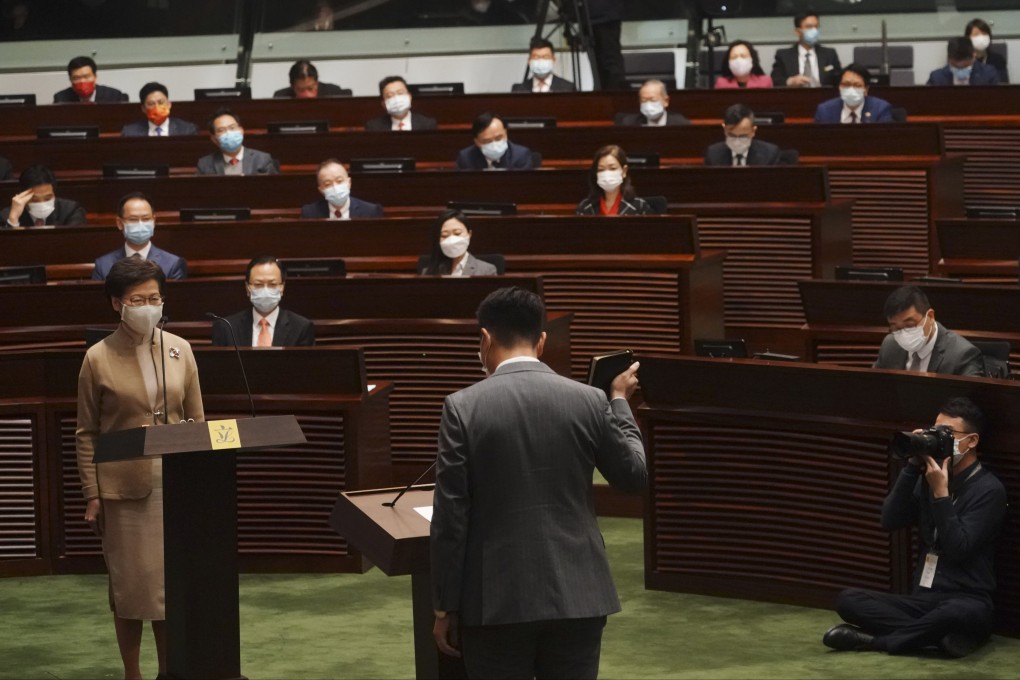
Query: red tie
pixel 39 222
pixel 264 339
pixel 233 161
pixel 338 213
pixel 402 125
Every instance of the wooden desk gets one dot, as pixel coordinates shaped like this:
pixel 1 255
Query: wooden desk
pixel 979 250
pixel 767 480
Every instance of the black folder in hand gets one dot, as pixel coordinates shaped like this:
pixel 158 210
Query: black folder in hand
pixel 605 367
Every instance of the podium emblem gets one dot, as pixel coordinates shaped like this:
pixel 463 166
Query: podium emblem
pixel 223 434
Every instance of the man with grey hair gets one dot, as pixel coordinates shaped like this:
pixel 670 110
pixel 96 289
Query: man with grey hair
pixel 654 102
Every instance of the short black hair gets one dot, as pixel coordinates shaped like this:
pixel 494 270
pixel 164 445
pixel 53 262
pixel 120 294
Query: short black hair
pixel 130 197
pixel 966 410
pixel 736 113
pixel 860 70
pixel 756 68
pixel 960 49
pixel 128 272
pixel 483 121
pixel 390 79
pixel 34 175
pixel 979 24
pixel 512 315
pixel 798 19
pixel 905 297
pixel 540 44
pixel 149 88
pixel 81 62
pixel 303 69
pixel 222 111
pixel 264 259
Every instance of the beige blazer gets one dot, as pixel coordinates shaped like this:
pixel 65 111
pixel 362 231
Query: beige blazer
pixel 112 396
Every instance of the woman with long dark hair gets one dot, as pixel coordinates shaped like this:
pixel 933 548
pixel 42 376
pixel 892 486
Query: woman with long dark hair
pixel 610 190
pixel 448 249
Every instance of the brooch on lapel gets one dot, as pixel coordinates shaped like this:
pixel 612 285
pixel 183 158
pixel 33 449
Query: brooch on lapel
pixel 175 353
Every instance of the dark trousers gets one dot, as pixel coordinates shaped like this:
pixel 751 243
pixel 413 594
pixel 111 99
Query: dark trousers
pixel 906 623
pixel 608 55
pixel 562 648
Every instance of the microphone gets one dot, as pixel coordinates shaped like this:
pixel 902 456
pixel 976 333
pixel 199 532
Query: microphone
pixel 240 362
pixel 407 488
pixel 162 362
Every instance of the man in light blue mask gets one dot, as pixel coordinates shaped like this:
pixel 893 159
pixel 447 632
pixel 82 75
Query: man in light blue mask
pixel 493 150
pixel 233 157
pixel 336 202
pixel 136 222
pixel 962 67
pixel 854 105
pixel 806 64
pixel 541 62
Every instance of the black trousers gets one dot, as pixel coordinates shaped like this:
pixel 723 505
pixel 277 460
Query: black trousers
pixel 608 55
pixel 562 648
pixel 906 623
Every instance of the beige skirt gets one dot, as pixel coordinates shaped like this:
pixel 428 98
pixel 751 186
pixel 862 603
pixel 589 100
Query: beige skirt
pixel 133 548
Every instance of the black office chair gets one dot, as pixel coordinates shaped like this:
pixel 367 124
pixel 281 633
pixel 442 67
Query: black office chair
pixel 641 66
pixel 789 157
pixel 536 159
pixel 995 357
pixel 899 114
pixel 658 204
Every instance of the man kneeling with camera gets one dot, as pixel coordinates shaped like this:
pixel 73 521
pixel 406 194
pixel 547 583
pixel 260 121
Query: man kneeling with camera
pixel 958 507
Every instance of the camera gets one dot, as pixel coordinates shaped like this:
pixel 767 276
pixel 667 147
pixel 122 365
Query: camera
pixel 936 442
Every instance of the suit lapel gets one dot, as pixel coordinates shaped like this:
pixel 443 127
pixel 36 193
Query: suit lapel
pixel 280 333
pixel 244 332
pixel 248 163
pixel 938 351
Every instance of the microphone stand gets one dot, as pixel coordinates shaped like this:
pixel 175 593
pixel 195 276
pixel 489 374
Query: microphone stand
pixel 162 362
pixel 390 504
pixel 240 362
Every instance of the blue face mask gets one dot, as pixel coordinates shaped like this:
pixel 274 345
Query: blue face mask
pixel 810 36
pixel 139 233
pixel 961 73
pixel 231 141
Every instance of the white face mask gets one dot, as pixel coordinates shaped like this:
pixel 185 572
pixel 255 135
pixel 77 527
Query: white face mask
pixel 481 359
pixel 337 194
pixel 741 66
pixel 739 146
pixel 652 110
pixel 266 299
pixel 957 454
pixel 495 150
pixel 42 210
pixel 541 67
pixel 398 105
pixel 852 96
pixel 911 339
pixel 610 180
pixel 981 42
pixel 143 319
pixel 454 246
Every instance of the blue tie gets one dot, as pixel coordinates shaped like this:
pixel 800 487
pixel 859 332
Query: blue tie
pixel 159 131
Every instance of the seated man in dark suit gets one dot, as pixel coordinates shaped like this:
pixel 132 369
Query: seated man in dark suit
pixel 304 84
pixel 37 205
pixel 233 158
pixel 136 220
pixel 336 202
pixel 806 64
pixel 82 72
pixel 654 102
pixel 492 150
pixel 264 324
pixel 541 62
pixel 963 68
pixel 156 106
pixel 917 342
pixel 740 147
pixel 6 172
pixel 854 105
pixel 396 99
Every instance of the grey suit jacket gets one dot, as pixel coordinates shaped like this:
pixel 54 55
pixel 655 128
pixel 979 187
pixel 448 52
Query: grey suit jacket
pixel 472 267
pixel 514 534
pixel 952 355
pixel 254 162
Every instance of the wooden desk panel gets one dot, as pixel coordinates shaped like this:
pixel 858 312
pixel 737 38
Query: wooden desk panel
pixel 979 250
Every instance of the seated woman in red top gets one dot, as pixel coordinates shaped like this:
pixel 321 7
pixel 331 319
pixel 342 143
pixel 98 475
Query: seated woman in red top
pixel 742 68
pixel 610 190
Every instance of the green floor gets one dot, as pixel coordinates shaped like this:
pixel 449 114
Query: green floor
pixel 358 626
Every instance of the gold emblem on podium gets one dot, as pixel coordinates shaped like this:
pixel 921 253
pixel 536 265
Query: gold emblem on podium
pixel 223 434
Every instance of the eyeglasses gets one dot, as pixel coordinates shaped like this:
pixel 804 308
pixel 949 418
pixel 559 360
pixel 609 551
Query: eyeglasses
pixel 139 301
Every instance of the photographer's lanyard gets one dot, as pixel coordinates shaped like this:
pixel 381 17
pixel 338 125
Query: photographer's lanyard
pixel 931 560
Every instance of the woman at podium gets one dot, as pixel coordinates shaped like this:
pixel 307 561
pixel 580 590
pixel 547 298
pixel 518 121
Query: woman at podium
pixel 121 387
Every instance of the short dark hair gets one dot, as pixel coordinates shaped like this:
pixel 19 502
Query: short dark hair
pixel 222 111
pixel 81 62
pixel 34 175
pixel 260 260
pixel 595 192
pixel 149 88
pixel 860 70
pixel 960 49
pixel 540 44
pixel 756 68
pixel 390 79
pixel 966 410
pixel 129 272
pixel 736 113
pixel 512 315
pixel 134 195
pixel 798 19
pixel 438 262
pixel 303 69
pixel 979 24
pixel 483 121
pixel 905 297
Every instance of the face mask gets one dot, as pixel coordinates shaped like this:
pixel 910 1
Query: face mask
pixel 398 105
pixel 139 233
pixel 652 110
pixel 911 339
pixel 142 319
pixel 495 150
pixel 481 359
pixel 739 146
pixel 811 36
pixel 84 88
pixel 231 141
pixel 981 42
pixel 158 114
pixel 338 194
pixel 42 209
pixel 961 73
pixel 609 180
pixel 541 67
pixel 454 246
pixel 266 299
pixel 852 96
pixel 957 454
pixel 741 66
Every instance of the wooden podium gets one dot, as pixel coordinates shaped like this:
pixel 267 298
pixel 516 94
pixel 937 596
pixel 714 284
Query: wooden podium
pixel 396 539
pixel 200 530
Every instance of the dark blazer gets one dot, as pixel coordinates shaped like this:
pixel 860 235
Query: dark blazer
pixel 760 153
pixel 557 85
pixel 635 206
pixel 103 94
pixel 6 172
pixel 999 62
pixel 874 110
pixel 517 157
pixel 292 330
pixel 638 119
pixel 982 74
pixel 319 210
pixel 788 64
pixel 952 355
pixel 514 535
pixel 65 213
pixel 140 128
pixel 325 90
pixel 254 163
pixel 173 266
pixel 418 122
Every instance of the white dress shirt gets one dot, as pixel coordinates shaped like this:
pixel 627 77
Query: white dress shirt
pixel 345 211
pixel 406 120
pixel 813 58
pixel 541 84
pixel 165 127
pixel 256 328
pixel 925 352
pixel 234 169
pixel 515 360
pixel 458 270
pixel 143 252
pixel 844 117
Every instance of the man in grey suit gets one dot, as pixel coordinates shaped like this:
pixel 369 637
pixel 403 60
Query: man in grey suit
pixel 917 342
pixel 233 158
pixel 519 569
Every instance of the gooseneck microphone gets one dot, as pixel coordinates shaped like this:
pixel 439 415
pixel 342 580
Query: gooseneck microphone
pixel 240 362
pixel 162 361
pixel 390 504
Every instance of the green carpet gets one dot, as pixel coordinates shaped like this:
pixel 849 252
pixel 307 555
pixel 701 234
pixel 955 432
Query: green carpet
pixel 358 626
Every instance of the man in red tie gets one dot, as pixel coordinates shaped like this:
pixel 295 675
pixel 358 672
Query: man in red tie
pixel 336 202
pixel 233 157
pixel 37 205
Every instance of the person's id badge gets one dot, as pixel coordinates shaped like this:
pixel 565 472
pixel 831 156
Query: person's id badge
pixel 931 560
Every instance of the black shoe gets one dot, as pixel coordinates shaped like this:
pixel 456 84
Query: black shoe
pixel 847 638
pixel 958 645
